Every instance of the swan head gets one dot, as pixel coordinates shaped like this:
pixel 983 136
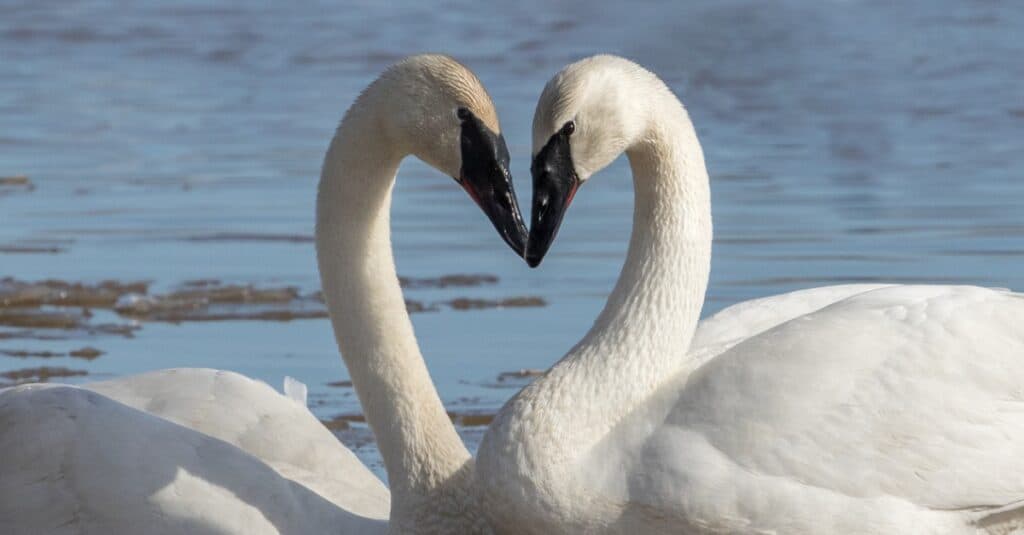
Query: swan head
pixel 439 111
pixel 588 114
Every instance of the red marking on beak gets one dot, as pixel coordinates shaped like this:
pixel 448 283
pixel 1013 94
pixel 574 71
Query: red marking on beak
pixel 472 193
pixel 572 193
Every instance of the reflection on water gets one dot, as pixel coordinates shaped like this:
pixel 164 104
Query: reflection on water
pixel 847 141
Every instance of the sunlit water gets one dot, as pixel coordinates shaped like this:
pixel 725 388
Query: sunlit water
pixel 846 140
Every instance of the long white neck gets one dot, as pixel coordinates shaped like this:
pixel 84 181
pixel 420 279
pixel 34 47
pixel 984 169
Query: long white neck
pixel 423 455
pixel 657 299
pixel 640 338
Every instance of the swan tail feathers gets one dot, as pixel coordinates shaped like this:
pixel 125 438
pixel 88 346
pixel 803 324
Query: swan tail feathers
pixel 296 390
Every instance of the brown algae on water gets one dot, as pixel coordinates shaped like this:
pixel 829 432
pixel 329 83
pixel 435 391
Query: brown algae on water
pixel 15 183
pixel 15 180
pixel 344 422
pixel 86 353
pixel 55 309
pixel 515 378
pixel 42 319
pixel 209 300
pixel 465 303
pixel 18 294
pixel 24 354
pixel 472 419
pixel 459 280
pixel 30 249
pixel 41 374
pixel 520 374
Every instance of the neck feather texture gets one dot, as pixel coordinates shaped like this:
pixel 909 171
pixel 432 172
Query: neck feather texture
pixel 638 342
pixel 421 451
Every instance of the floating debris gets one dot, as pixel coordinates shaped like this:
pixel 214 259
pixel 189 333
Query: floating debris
pixel 16 180
pixel 41 319
pixel 145 306
pixel 22 354
pixel 358 418
pixel 18 294
pixel 41 374
pixel 261 315
pixel 14 184
pixel 58 310
pixel 514 379
pixel 447 281
pixel 201 283
pixel 208 300
pixel 468 419
pixel 413 307
pixel 524 373
pixel 464 303
pixel 30 249
pixel 236 294
pixel 119 329
pixel 87 353
pixel 28 334
pixel 472 419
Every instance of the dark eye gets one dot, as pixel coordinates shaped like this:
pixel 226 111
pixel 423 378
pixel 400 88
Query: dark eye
pixel 569 128
pixel 463 114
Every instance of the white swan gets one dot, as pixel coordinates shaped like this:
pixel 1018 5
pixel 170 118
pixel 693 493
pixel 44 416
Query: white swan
pixel 852 409
pixel 187 451
pixel 200 451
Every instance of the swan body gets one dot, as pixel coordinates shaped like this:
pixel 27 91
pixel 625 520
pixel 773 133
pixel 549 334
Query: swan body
pixel 202 451
pixel 872 409
pixel 250 415
pixel 177 452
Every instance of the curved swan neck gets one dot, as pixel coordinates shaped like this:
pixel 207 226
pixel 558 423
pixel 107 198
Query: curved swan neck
pixel 637 343
pixel 421 451
pixel 643 333
pixel 657 299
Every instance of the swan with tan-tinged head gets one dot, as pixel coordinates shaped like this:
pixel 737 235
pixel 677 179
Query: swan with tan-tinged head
pixel 208 452
pixel 849 409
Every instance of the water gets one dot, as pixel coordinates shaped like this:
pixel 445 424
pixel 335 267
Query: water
pixel 846 140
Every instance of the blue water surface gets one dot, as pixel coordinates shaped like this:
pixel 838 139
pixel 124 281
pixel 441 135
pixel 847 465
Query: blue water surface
pixel 852 140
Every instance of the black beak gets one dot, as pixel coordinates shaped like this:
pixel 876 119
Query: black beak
pixel 554 185
pixel 486 178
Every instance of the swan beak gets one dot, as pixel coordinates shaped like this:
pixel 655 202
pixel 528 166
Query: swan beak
pixel 487 180
pixel 554 185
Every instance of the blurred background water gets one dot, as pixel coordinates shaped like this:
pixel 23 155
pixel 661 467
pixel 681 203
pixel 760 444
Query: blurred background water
pixel 847 140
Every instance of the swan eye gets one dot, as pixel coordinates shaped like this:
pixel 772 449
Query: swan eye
pixel 569 128
pixel 463 114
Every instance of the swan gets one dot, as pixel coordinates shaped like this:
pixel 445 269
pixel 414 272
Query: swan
pixel 869 409
pixel 181 451
pixel 204 451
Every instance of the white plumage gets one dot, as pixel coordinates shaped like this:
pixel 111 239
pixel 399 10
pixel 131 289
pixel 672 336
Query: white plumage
pixel 867 409
pixel 177 451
